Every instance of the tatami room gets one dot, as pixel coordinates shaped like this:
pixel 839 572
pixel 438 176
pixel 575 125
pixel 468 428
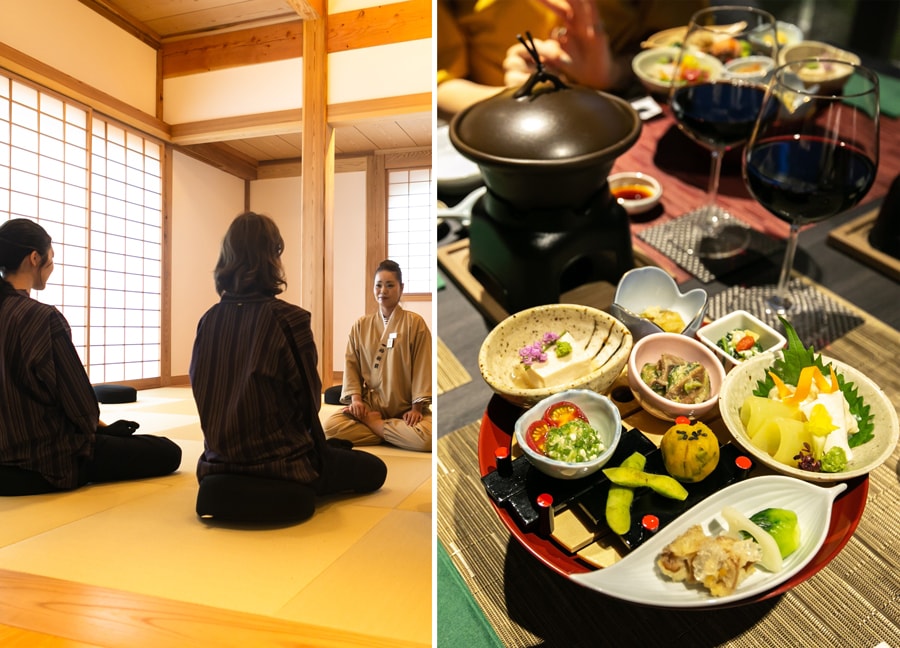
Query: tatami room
pixel 134 132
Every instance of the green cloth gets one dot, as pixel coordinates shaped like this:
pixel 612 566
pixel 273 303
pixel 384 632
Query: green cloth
pixel 889 93
pixel 460 622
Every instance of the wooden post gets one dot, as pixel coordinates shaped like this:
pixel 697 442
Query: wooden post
pixel 317 203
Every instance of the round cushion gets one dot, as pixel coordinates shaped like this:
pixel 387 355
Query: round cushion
pixel 256 500
pixel 333 395
pixel 115 393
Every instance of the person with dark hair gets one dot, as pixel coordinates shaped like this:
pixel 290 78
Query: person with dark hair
pixel 51 436
pixel 387 373
pixel 255 381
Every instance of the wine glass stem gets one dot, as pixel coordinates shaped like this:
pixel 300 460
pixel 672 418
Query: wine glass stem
pixel 712 192
pixel 781 291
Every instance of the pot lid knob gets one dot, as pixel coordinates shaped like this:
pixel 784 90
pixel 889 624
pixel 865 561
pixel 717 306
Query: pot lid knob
pixel 540 75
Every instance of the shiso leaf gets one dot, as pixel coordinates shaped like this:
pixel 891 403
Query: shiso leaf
pixel 793 359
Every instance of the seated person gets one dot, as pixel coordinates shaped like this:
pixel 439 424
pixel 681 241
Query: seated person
pixel 258 392
pixel 387 373
pixel 51 436
pixel 587 42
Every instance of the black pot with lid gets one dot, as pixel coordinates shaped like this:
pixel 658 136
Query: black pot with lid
pixel 546 145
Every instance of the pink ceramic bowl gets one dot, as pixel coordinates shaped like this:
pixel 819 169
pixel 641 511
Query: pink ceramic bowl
pixel 649 349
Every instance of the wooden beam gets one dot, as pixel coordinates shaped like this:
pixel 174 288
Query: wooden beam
pixel 317 197
pixel 355 111
pixel 380 25
pixel 277 122
pixel 166 277
pixel 224 158
pixel 232 49
pixel 376 222
pixel 309 9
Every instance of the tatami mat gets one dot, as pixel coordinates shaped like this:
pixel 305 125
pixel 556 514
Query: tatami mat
pixel 362 564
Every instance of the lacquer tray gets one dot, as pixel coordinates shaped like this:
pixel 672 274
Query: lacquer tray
pixel 496 431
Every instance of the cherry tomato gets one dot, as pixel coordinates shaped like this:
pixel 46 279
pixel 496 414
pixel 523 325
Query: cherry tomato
pixel 562 412
pixel 537 434
pixel 745 343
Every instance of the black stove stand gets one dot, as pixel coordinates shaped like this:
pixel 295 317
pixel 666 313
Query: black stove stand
pixel 526 258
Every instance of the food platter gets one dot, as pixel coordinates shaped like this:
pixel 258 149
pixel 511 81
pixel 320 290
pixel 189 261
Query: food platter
pixel 496 432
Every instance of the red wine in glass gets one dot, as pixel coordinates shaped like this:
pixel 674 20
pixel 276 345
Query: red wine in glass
pixel 716 104
pixel 813 153
pixel 806 179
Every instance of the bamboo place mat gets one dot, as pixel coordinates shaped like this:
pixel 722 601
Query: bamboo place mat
pixel 451 373
pixel 853 602
pixel 853 238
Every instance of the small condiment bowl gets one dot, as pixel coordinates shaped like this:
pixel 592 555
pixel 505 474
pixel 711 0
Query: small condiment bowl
pixel 602 415
pixel 637 192
pixel 769 338
pixel 650 349
pixel 642 288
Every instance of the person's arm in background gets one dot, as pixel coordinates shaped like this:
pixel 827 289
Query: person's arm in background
pixel 455 91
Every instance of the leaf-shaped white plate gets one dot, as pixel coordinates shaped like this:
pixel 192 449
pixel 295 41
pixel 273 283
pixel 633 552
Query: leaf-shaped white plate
pixel 639 580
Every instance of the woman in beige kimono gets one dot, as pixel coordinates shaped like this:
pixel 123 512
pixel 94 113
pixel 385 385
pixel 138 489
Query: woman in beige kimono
pixel 387 373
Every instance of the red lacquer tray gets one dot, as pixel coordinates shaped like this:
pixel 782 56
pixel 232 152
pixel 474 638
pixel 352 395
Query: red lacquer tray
pixel 496 431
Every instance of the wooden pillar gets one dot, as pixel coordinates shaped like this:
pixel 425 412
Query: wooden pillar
pixel 317 203
pixel 376 223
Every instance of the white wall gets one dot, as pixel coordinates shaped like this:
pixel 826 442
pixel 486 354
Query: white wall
pixel 280 199
pixel 68 36
pixel 204 202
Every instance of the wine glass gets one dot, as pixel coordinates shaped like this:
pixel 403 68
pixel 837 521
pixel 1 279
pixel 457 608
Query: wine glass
pixel 813 152
pixel 717 90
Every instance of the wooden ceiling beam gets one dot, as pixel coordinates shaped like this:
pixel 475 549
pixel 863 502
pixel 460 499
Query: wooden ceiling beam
pixel 224 158
pixel 369 27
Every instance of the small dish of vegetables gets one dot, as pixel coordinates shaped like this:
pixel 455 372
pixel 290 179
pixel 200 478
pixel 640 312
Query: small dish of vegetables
pixel 571 434
pixel 739 336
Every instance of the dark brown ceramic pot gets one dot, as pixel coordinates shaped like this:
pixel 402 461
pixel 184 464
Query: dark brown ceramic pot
pixel 546 145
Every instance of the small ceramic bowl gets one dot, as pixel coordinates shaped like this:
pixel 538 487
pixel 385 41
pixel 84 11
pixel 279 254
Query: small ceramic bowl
pixel 601 414
pixel 742 382
pixel 600 337
pixel 672 37
pixel 649 350
pixel 654 68
pixel 828 76
pixel 643 288
pixel 788 34
pixel 750 68
pixel 769 338
pixel 637 192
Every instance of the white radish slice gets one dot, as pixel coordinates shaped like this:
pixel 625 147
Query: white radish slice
pixel 737 521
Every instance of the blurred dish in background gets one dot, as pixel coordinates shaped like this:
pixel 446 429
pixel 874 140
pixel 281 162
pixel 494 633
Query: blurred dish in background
pixel 455 173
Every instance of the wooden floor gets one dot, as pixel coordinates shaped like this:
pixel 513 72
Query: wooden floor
pixel 131 565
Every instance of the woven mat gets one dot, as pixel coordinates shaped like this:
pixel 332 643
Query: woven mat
pixel 451 373
pixel 852 602
pixel 682 240
pixel 818 318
